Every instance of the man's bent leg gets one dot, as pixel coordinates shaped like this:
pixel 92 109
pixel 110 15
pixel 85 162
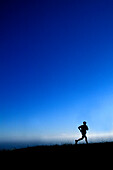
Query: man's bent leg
pixel 79 139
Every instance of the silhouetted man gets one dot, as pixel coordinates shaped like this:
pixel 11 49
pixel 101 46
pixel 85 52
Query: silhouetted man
pixel 83 128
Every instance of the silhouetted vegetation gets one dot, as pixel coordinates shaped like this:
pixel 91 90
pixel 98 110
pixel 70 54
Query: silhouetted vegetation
pixel 78 149
pixel 80 155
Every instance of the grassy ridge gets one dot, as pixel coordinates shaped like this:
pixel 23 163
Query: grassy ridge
pixel 88 156
pixel 79 148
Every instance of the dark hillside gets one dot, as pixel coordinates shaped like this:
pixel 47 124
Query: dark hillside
pixel 96 155
pixel 97 148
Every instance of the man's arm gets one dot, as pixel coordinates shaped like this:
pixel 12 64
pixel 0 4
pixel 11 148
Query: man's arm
pixel 79 127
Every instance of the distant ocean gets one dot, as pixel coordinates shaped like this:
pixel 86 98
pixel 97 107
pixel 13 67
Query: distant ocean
pixel 17 145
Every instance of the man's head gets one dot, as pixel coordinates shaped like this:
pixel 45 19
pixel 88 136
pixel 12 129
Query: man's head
pixel 84 123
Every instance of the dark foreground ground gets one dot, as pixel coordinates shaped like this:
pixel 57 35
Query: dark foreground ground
pixel 81 155
pixel 78 149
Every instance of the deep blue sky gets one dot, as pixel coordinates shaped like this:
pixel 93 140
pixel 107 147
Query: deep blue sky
pixel 56 67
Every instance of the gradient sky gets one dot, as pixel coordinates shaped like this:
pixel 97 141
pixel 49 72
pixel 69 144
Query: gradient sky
pixel 56 67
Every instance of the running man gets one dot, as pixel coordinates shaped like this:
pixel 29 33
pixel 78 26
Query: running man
pixel 83 128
